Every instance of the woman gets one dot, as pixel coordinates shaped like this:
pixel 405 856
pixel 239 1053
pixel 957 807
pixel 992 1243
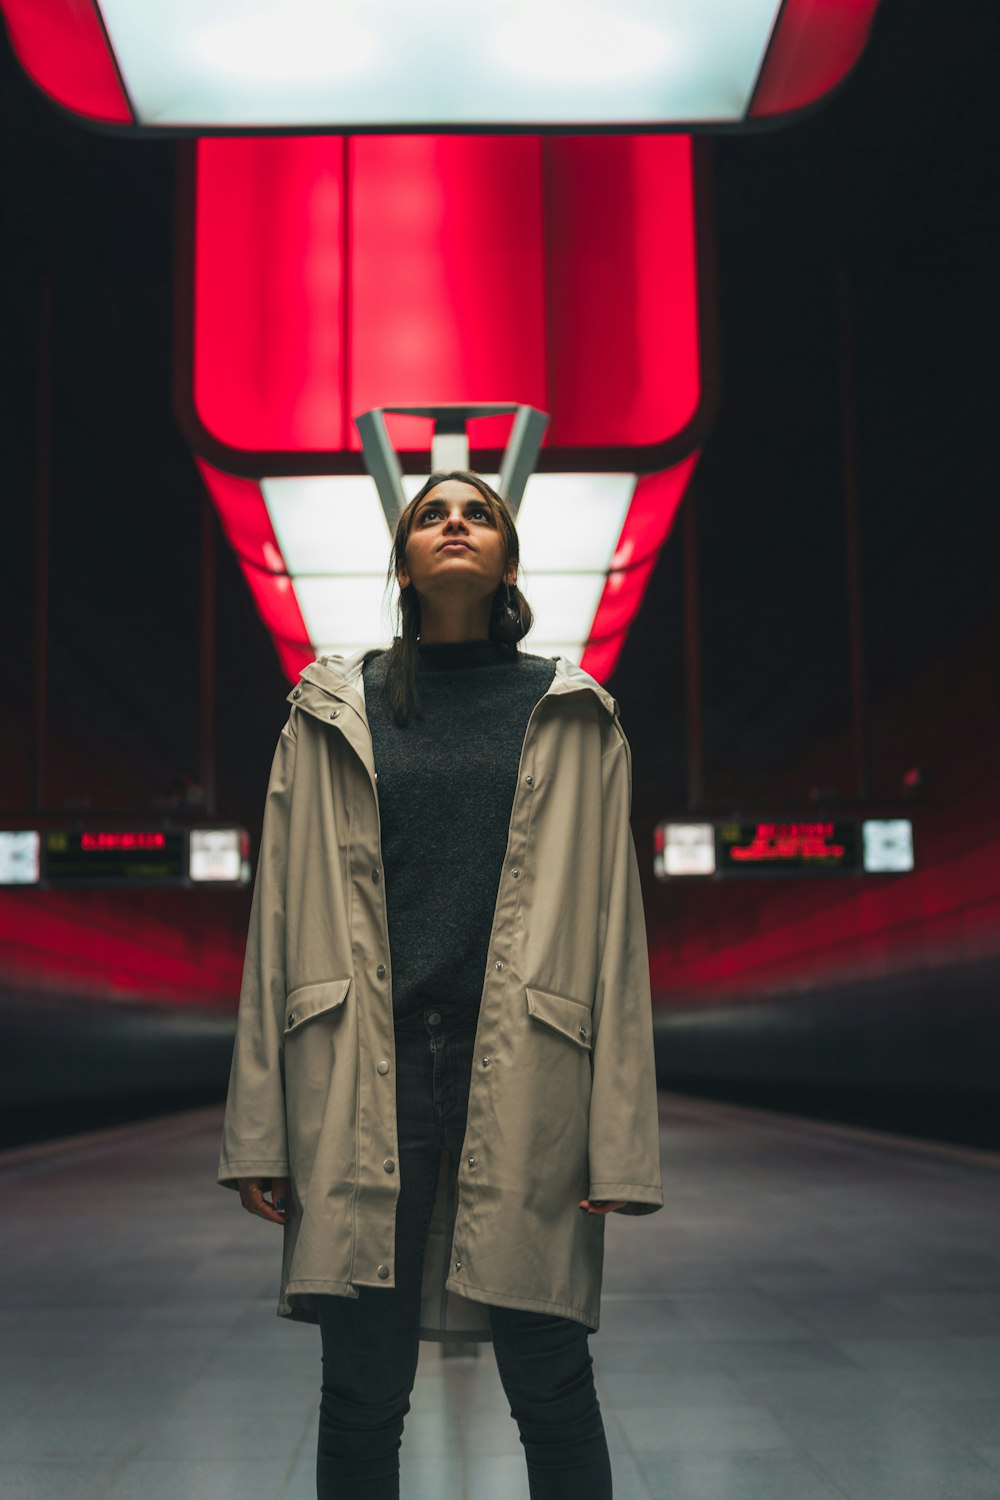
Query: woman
pixel 443 1068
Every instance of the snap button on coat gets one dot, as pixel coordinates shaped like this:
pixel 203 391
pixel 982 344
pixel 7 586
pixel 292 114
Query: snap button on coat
pixel 570 1107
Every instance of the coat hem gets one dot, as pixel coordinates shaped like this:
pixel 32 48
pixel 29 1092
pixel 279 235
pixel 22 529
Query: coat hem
pixel 637 1197
pixel 228 1176
pixel 313 1286
pixel 528 1304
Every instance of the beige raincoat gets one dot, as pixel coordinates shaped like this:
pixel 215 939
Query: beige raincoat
pixel 562 1101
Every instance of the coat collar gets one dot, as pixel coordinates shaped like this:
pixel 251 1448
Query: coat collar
pixel 340 676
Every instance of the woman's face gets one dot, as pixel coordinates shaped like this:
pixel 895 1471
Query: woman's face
pixel 454 512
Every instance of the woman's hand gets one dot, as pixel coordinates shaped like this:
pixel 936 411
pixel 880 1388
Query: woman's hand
pixel 602 1205
pixel 252 1191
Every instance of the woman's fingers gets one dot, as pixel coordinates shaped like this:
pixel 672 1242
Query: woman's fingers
pixel 252 1197
pixel 602 1205
pixel 281 1197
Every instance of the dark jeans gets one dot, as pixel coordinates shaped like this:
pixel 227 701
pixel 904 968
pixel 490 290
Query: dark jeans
pixel 371 1343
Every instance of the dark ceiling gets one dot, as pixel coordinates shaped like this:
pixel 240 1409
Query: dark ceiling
pixel 889 191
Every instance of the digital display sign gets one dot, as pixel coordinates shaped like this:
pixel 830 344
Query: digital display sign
pixel 120 856
pixel 771 847
pixel 806 846
pixel 129 856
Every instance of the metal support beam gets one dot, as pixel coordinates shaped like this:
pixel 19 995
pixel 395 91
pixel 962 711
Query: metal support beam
pixel 450 447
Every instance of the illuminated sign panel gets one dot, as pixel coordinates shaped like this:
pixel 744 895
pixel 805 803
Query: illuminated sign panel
pixel 134 856
pixel 20 856
pixel 370 283
pixel 219 855
pixel 887 844
pixel 797 847
pixel 684 849
pixel 368 64
pixel 126 857
pixel 444 62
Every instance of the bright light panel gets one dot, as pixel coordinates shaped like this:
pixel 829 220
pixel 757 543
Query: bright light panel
pixel 389 62
pixel 215 854
pixel 887 844
pixel 688 849
pixel 333 536
pixel 328 523
pixel 572 522
pixel 20 856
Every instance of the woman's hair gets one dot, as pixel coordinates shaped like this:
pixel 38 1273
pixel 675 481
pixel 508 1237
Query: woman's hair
pixel 506 627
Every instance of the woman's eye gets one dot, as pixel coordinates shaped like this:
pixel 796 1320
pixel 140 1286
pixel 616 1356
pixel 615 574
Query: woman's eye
pixel 432 510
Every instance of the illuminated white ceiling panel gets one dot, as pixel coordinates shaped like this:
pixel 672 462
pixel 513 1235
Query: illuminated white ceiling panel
pixel 328 523
pixel 335 543
pixel 390 62
pixel 345 607
pixel 570 522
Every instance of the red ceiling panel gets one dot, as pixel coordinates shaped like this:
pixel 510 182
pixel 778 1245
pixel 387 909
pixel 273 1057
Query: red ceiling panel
pixel 814 46
pixel 61 45
pixel 333 274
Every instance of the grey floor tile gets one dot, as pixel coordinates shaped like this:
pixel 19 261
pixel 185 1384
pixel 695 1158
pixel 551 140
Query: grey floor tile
pixel 184 1478
pixel 655 1429
pixel 494 1477
pixel 963 1419
pixel 741 1476
pixel 54 1479
pixel 932 1367
pixel 750 1315
pixel 915 1471
pixel 949 1313
pixel 422 1477
pixel 48 1433
pixel 240 1434
pixel 674 1389
pixel 779 1354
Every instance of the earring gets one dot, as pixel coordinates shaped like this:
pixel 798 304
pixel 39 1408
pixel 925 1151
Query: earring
pixel 510 608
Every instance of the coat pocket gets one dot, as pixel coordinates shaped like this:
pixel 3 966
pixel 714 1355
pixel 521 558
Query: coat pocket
pixel 571 1018
pixel 311 1000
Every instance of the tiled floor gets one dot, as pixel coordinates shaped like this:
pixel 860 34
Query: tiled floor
pixel 815 1314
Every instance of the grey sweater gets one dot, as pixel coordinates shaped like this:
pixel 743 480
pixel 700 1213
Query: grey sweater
pixel 446 787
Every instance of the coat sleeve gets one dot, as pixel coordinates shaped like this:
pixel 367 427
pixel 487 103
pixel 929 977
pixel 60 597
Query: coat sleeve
pixel 624 1144
pixel 254 1142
